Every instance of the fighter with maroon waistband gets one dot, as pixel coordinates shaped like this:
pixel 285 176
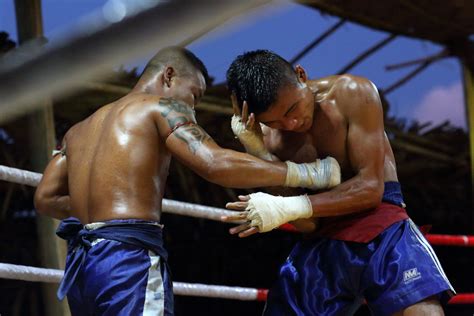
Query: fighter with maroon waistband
pixel 364 246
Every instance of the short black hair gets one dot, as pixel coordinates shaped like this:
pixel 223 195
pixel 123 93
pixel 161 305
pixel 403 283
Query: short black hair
pixel 180 58
pixel 257 76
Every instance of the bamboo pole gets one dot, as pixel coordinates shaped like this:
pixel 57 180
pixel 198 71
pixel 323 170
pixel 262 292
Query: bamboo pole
pixel 43 139
pixel 468 72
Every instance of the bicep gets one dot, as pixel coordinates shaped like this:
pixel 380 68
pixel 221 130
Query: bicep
pixel 365 142
pixel 192 145
pixel 185 140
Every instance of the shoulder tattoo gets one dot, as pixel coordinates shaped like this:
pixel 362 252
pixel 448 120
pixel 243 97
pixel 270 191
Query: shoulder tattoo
pixel 176 112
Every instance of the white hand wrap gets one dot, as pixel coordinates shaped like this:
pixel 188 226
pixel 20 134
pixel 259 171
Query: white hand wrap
pixel 268 212
pixel 321 174
pixel 252 141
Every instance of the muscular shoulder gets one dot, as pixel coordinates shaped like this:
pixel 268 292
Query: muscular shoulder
pixel 355 94
pixel 170 113
pixel 169 106
pixel 354 86
pixel 161 105
pixel 72 132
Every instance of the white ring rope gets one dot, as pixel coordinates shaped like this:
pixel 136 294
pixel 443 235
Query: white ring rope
pixel 19 176
pixel 169 206
pixel 26 273
pixel 208 212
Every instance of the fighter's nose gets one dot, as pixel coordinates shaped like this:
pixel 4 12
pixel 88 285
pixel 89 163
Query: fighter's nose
pixel 291 124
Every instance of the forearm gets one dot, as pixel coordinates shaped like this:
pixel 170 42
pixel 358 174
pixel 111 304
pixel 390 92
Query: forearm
pixel 238 170
pixel 352 196
pixel 284 191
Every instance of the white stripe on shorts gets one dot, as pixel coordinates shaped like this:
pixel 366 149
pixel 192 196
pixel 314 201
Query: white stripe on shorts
pixel 424 243
pixel 155 294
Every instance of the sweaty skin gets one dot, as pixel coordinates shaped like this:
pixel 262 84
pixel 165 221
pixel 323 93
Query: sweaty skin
pixel 346 123
pixel 337 116
pixel 117 161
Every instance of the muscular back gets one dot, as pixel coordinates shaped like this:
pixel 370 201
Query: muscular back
pixel 117 163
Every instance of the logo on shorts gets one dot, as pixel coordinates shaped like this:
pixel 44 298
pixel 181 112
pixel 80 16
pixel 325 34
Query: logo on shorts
pixel 411 275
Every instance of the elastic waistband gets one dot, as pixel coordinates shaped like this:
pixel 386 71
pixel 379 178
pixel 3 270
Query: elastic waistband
pixel 393 193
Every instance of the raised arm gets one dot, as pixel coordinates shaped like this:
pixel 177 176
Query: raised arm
pixel 52 193
pixel 191 145
pixel 360 103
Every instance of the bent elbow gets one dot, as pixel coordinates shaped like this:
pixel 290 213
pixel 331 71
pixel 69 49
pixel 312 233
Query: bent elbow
pixel 374 194
pixel 40 202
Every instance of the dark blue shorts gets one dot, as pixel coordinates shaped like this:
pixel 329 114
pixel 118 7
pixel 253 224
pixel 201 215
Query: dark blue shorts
pixel 121 279
pixel 331 277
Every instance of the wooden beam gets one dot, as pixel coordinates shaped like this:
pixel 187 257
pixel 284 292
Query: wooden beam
pixel 318 40
pixel 42 141
pixel 419 140
pixel 367 53
pixel 407 78
pixel 442 54
pixel 428 153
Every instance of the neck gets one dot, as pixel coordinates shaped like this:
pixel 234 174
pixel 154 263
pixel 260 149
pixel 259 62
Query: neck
pixel 146 87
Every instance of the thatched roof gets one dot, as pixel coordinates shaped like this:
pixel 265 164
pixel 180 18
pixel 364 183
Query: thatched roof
pixel 444 22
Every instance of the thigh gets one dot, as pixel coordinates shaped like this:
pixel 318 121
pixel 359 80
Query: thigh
pixel 313 281
pixel 124 280
pixel 403 271
pixel 428 307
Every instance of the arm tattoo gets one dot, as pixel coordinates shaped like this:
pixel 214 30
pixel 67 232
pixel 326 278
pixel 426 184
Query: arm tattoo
pixel 193 135
pixel 176 112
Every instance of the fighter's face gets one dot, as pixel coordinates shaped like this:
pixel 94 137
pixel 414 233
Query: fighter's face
pixel 292 111
pixel 189 88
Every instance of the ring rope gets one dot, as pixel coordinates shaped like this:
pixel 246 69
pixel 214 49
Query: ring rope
pixel 20 176
pixel 29 178
pixel 27 273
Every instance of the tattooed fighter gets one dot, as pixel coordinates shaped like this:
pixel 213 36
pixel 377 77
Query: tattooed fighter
pixel 108 180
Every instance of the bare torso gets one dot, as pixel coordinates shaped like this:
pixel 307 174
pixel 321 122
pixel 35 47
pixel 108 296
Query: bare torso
pixel 328 134
pixel 117 163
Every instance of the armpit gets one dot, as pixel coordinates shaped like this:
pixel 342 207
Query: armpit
pixel 61 150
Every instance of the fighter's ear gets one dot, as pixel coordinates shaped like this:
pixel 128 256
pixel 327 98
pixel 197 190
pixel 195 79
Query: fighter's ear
pixel 168 75
pixel 301 74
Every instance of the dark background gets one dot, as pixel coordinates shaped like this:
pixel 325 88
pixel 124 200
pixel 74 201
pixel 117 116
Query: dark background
pixel 202 251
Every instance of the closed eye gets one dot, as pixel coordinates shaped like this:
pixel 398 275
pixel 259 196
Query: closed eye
pixel 291 109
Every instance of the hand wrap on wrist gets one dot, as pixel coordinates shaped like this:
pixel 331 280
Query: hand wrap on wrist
pixel 253 142
pixel 268 212
pixel 321 174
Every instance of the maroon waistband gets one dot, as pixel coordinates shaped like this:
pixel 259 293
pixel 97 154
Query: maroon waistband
pixel 363 226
